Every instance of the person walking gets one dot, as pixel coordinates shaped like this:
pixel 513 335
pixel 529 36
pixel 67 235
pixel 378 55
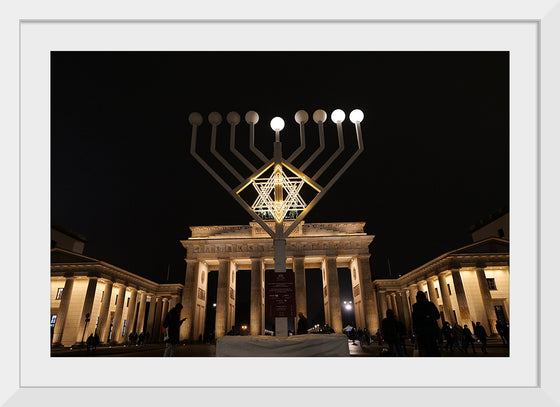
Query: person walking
pixel 89 342
pixel 448 335
pixel 301 324
pixel 367 336
pixel 481 335
pixel 424 322
pixel 457 333
pixel 390 332
pixel 468 339
pixel 172 323
pixel 361 337
pixel 500 329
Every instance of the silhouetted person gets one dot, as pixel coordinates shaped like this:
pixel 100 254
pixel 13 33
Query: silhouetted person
pixel 147 337
pixel 141 338
pixel 401 330
pixel 467 339
pixel 95 341
pixel 89 342
pixel 328 330
pixel 424 321
pixel 480 333
pixel 500 329
pixel 353 336
pixel 448 336
pixel 457 333
pixel 390 332
pixel 367 336
pixel 361 336
pixel 301 324
pixel 172 322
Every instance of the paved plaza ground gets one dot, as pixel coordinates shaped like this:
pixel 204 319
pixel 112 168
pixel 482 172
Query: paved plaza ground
pixel 495 349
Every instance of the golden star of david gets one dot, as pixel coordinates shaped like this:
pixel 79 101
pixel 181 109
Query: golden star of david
pixel 278 194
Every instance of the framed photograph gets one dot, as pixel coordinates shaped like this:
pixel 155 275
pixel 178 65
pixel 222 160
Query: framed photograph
pixel 528 33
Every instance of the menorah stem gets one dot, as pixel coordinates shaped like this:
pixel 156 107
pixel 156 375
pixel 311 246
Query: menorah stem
pixel 254 149
pixel 318 151
pixel 281 324
pixel 301 143
pixel 220 158
pixel 336 153
pixel 237 153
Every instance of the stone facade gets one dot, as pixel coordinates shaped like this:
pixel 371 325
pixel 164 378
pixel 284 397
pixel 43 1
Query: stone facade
pixel 115 299
pixel 227 249
pixel 467 285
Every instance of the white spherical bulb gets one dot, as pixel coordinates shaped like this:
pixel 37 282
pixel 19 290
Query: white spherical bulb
pixel 215 118
pixel 319 116
pixel 277 124
pixel 252 117
pixel 233 118
pixel 195 119
pixel 301 117
pixel 356 116
pixel 338 116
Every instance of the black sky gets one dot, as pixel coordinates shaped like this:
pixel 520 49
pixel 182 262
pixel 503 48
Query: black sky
pixel 436 135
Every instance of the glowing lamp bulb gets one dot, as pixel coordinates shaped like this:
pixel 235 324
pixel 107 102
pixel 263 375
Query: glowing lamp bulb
pixel 277 124
pixel 348 306
pixel 338 116
pixel 356 116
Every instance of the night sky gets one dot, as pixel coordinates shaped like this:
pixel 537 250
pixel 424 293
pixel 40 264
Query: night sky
pixel 436 136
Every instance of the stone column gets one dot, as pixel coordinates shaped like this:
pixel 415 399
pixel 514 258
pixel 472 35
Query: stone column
pixel 231 296
pixel 141 313
pixel 368 294
pixel 63 310
pixel 464 312
pixel 189 300
pixel 334 294
pixel 486 301
pixel 116 336
pixel 222 298
pixel 383 305
pixel 446 298
pixel 432 292
pixel 257 271
pixel 433 296
pixel 104 321
pixel 413 291
pixel 86 309
pixel 406 318
pixel 301 294
pixel 131 313
pixel 394 305
pixel 165 309
pixel 157 320
pixel 151 317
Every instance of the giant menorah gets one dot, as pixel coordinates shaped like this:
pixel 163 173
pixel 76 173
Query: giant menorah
pixel 278 182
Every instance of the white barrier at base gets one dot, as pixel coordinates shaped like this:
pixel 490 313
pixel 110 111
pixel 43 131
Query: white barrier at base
pixel 298 345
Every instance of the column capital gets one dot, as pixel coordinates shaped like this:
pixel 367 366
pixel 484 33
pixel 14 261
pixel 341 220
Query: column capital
pixel 363 256
pixel 444 273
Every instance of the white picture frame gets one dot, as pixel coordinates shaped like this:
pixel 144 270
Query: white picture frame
pixel 544 15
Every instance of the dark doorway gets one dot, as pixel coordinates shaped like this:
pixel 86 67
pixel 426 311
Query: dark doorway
pixel 211 295
pixel 314 294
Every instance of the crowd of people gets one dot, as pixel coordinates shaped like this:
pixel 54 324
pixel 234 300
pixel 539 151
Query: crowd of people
pixel 138 339
pixel 426 337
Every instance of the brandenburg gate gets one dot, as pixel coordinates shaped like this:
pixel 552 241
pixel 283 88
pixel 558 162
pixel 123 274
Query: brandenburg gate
pixel 227 249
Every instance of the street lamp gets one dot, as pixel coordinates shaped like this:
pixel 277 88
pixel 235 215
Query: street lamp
pixel 277 182
pixel 85 326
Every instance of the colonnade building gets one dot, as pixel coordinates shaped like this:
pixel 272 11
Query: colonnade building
pixel 118 302
pixel 468 284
